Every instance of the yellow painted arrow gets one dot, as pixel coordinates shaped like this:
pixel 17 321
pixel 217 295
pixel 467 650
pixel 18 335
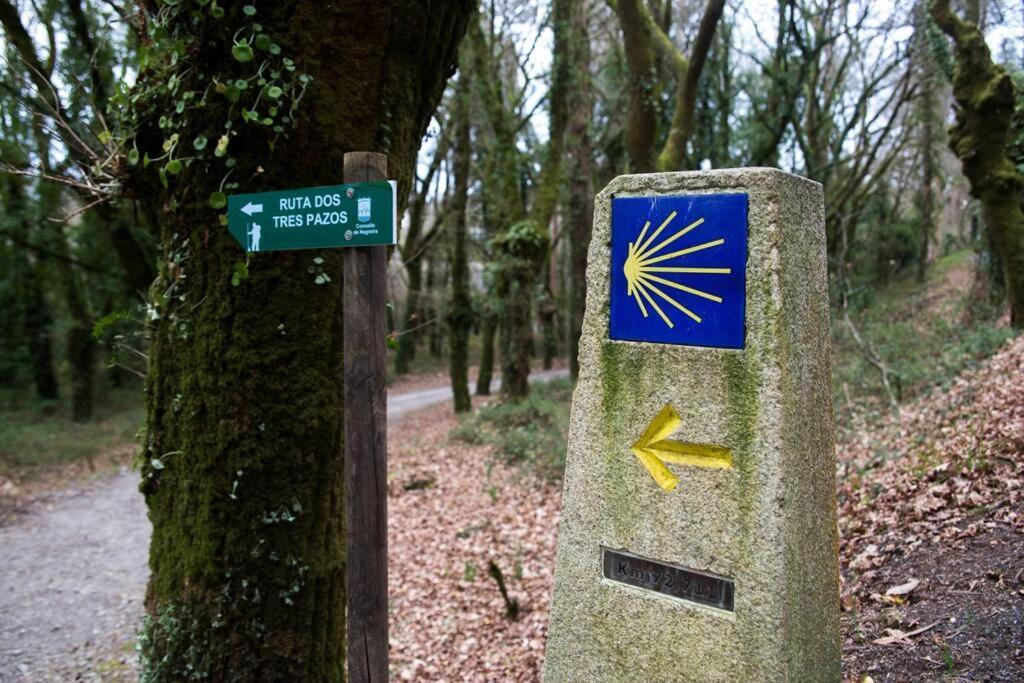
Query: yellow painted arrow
pixel 653 449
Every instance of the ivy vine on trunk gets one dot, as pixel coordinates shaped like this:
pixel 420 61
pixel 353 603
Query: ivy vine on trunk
pixel 242 468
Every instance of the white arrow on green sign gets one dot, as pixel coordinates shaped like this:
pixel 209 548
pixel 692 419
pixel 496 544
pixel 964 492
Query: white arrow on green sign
pixel 350 215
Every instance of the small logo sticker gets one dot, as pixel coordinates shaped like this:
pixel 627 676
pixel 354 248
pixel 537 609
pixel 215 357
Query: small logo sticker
pixel 348 234
pixel 364 209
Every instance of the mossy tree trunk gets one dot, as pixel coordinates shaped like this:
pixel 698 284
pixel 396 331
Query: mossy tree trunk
pixel 549 186
pixel 29 303
pixel 81 346
pixel 488 326
pixel 547 312
pixel 38 322
pixel 580 209
pixel 985 97
pixel 645 41
pixel 437 280
pixel 642 114
pixel 412 251
pixel 519 252
pixel 411 317
pixel 516 258
pixel 243 454
pixel 929 112
pixel 460 310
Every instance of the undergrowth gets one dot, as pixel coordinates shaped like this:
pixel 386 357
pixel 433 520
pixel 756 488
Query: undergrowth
pixel 36 436
pixel 531 433
pixel 924 334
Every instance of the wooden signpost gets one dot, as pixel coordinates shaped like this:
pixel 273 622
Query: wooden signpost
pixel 366 460
pixel 362 216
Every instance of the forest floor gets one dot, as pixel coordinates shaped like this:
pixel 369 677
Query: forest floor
pixel 75 552
pixel 931 523
pixel 931 518
pixel 932 553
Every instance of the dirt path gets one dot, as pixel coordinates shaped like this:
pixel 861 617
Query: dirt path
pixel 73 573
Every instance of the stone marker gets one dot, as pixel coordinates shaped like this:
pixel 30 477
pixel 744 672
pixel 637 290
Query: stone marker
pixel 698 538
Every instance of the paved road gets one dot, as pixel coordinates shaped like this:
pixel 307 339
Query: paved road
pixel 402 404
pixel 74 571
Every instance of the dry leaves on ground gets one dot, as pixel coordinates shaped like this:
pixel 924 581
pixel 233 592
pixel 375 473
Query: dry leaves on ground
pixel 451 512
pixel 956 469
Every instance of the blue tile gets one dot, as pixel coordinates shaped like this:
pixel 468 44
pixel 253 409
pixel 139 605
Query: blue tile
pixel 679 270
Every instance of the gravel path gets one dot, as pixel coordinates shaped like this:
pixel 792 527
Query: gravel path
pixel 73 574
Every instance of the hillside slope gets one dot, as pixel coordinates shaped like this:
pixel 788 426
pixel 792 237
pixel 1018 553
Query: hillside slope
pixel 932 532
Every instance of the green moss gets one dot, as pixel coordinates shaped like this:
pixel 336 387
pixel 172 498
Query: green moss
pixel 243 462
pixel 531 433
pixel 614 391
pixel 742 381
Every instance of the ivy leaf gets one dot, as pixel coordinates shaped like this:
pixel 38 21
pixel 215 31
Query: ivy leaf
pixel 240 274
pixel 199 143
pixel 133 156
pixel 218 200
pixel 242 52
pixel 222 146
pixel 274 91
pixel 173 167
pixel 249 10
pixel 262 42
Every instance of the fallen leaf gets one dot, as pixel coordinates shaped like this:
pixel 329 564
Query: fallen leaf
pixel 903 588
pixel 897 636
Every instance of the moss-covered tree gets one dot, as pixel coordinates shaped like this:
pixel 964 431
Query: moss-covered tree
pixel 580 206
pixel 518 244
pixel 985 96
pixel 460 309
pixel 242 467
pixel 412 250
pixel 645 42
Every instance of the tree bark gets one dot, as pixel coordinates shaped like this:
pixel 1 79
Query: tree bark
pixel 460 310
pixel 35 312
pixel 549 186
pixel 519 243
pixel 643 39
pixel 81 345
pixel 519 252
pixel 985 97
pixel 928 106
pixel 488 325
pixel 411 318
pixel 580 209
pixel 243 467
pixel 674 152
pixel 642 115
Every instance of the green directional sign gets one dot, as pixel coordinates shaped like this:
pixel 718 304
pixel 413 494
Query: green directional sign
pixel 351 215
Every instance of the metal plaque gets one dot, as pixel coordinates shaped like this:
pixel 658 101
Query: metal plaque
pixel 677 582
